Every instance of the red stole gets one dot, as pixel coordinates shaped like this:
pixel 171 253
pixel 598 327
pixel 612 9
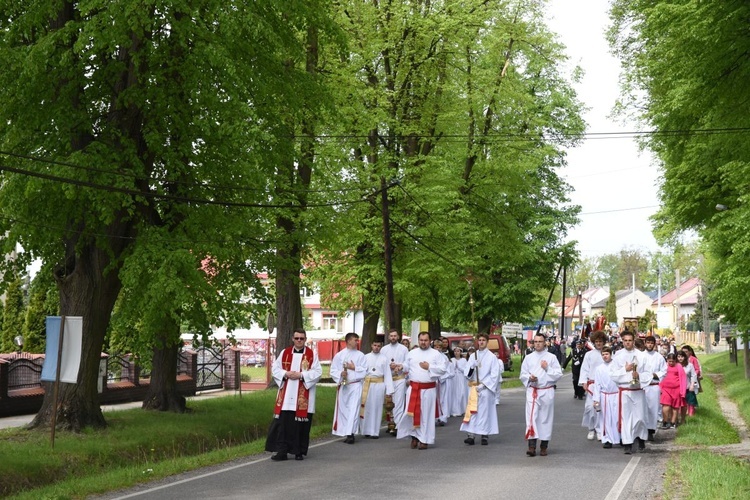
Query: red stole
pixel 303 393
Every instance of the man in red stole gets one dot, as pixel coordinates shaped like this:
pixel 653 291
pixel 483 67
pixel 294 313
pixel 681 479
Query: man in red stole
pixel 425 366
pixel 296 371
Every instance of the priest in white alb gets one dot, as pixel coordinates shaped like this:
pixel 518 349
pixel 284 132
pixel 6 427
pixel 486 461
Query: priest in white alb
pixel 424 367
pixel 540 371
pixel 395 352
pixel 483 372
pixel 377 384
pixel 348 370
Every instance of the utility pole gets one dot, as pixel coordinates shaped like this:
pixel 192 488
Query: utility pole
pixel 704 311
pixel 564 302
pixel 580 308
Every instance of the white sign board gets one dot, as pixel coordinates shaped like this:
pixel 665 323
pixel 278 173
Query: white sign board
pixel 727 330
pixel 664 317
pixel 71 349
pixel 512 330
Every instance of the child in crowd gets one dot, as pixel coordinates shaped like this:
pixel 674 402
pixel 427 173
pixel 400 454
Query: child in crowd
pixel 673 387
pixel 691 401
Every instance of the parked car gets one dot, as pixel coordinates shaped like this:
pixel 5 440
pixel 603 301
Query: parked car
pixel 496 343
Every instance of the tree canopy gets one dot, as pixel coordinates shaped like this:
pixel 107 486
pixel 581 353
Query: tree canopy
pixel 685 68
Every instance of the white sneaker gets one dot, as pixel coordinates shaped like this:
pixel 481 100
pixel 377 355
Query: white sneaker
pixel 591 435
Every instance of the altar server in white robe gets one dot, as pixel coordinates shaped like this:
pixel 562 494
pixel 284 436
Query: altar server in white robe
pixel 377 384
pixel 605 394
pixel 424 366
pixel 482 371
pixel 444 390
pixel 628 371
pixel 591 361
pixel 540 371
pixel 396 353
pixel 460 385
pixel 656 369
pixel 348 369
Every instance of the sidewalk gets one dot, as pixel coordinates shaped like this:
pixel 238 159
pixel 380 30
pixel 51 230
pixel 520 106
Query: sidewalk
pixel 22 420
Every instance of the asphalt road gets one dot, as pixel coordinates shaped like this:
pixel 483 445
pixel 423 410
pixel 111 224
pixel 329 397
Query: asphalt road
pixel 387 468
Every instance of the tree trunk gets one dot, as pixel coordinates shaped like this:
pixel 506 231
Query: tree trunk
pixel 89 285
pixel 484 324
pixel 371 311
pixel 289 255
pixel 288 303
pixel 162 392
pixel 433 313
pixel 434 327
pixel 399 317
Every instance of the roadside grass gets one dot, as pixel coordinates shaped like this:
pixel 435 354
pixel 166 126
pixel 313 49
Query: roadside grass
pixel 708 426
pixel 511 383
pixel 139 446
pixel 699 474
pixel 733 380
pixel 258 373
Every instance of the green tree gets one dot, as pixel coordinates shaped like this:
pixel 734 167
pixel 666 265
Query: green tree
pixel 610 312
pixel 435 91
pixel 13 314
pixel 43 301
pixel 128 122
pixel 2 316
pixel 702 131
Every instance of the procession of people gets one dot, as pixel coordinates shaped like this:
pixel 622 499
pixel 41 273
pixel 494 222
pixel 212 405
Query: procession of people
pixel 631 390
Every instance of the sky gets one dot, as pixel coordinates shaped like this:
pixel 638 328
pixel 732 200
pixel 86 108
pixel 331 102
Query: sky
pixel 614 182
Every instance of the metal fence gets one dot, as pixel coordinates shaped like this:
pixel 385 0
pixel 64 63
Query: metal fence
pixel 210 368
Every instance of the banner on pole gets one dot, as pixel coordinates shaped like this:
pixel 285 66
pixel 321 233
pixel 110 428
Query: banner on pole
pixel 71 349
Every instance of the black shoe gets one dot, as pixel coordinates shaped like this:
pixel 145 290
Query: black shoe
pixel 651 433
pixel 469 441
pixel 641 444
pixel 278 457
pixel 441 423
pixel 628 449
pixel 485 442
pixel 349 439
pixel 299 457
pixel 665 425
pixel 607 445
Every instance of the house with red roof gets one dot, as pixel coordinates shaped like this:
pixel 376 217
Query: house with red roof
pixel 678 304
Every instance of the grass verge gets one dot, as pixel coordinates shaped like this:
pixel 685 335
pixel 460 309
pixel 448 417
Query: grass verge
pixel 139 446
pixel 708 426
pixel 698 474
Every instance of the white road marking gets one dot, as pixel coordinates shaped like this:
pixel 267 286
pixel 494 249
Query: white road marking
pixel 622 481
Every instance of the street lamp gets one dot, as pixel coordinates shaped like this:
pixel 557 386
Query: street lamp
pixel 19 342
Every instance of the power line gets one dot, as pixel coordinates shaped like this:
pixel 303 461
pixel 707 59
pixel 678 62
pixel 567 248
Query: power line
pixel 187 243
pixel 182 199
pixel 619 210
pixel 534 137
pixel 132 175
